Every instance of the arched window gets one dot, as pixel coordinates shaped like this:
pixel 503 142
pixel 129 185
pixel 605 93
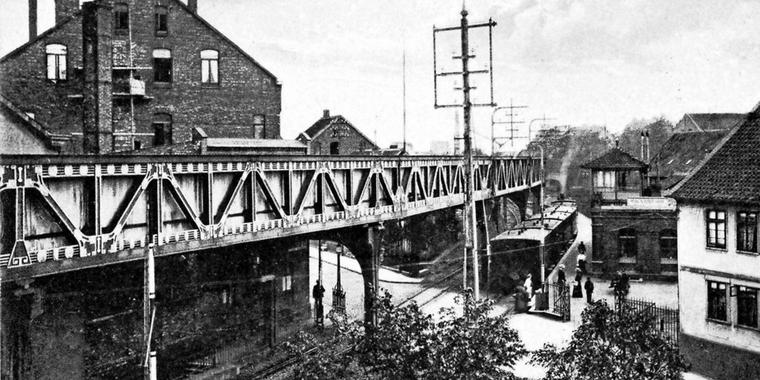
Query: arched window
pixel 668 244
pixel 56 61
pixel 162 65
pixel 627 242
pixel 162 20
pixel 121 17
pixel 162 129
pixel 259 126
pixel 210 67
pixel 334 147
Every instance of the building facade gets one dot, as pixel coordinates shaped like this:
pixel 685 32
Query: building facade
pixel 152 70
pixel 719 259
pixel 632 232
pixel 335 135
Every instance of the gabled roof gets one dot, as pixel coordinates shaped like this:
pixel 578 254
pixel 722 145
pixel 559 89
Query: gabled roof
pixel 324 123
pixel 40 36
pixel 180 4
pixel 731 173
pixel 681 154
pixel 25 121
pixel 706 122
pixel 225 38
pixel 615 158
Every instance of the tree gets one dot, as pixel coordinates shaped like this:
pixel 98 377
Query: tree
pixel 613 345
pixel 409 344
pixel 659 130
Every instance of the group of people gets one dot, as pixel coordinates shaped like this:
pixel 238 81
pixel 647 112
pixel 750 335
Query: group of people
pixel 580 270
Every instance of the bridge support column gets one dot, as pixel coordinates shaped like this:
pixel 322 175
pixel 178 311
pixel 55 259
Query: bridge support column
pixel 366 245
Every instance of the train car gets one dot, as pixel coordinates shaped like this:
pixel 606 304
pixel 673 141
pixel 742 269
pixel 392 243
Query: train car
pixel 515 252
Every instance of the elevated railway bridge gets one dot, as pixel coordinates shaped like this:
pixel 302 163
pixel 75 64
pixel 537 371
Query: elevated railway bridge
pixel 65 214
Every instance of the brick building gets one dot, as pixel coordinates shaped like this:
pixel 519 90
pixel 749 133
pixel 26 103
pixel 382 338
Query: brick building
pixel 719 262
pixel 154 70
pixel 336 135
pixel 631 232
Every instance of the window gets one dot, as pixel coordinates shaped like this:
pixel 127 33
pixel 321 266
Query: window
pixel 746 231
pixel 210 67
pixel 334 147
pixel 716 301
pixel 287 283
pixel 316 148
pixel 138 145
pixel 162 20
pixel 259 126
pixel 668 244
pixel 162 65
pixel 746 306
pixel 56 61
pixel 121 17
pixel 362 146
pixel 716 228
pixel 162 129
pixel 627 242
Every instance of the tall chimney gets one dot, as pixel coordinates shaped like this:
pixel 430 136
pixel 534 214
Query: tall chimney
pixel 326 114
pixel 642 146
pixel 65 9
pixel 647 151
pixel 32 19
pixel 97 87
pixel 193 5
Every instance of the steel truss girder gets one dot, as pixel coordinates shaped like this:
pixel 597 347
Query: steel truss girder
pixel 290 186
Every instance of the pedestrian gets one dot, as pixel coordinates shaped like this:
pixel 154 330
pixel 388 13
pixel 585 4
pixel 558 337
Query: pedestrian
pixel 529 285
pixel 318 291
pixel 561 275
pixel 589 286
pixel 581 263
pixel 577 292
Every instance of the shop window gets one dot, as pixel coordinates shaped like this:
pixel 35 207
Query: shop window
pixel 627 242
pixel 716 301
pixel 259 126
pixel 162 65
pixel 162 129
pixel 668 244
pixel 746 306
pixel 121 18
pixel 746 231
pixel 334 147
pixel 210 67
pixel 162 20
pixel 716 228
pixel 56 61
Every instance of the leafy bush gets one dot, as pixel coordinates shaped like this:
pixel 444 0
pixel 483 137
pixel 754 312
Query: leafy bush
pixel 613 345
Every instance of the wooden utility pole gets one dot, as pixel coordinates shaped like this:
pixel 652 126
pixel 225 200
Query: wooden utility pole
pixel 469 214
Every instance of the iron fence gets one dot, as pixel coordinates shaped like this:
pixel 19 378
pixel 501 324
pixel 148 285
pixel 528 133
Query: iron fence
pixel 559 294
pixel 663 320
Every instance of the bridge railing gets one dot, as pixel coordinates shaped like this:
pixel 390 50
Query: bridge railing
pixel 70 212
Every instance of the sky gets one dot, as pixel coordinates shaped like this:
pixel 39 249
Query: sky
pixel 579 62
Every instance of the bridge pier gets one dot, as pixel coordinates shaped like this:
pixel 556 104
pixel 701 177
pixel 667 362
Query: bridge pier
pixel 366 245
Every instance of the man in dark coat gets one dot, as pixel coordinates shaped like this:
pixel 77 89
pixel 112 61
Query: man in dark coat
pixel 318 291
pixel 589 286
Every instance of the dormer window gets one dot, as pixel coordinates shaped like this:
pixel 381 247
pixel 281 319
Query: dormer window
pixel 56 61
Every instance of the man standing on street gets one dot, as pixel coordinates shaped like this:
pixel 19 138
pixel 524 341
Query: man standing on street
pixel 318 291
pixel 589 286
